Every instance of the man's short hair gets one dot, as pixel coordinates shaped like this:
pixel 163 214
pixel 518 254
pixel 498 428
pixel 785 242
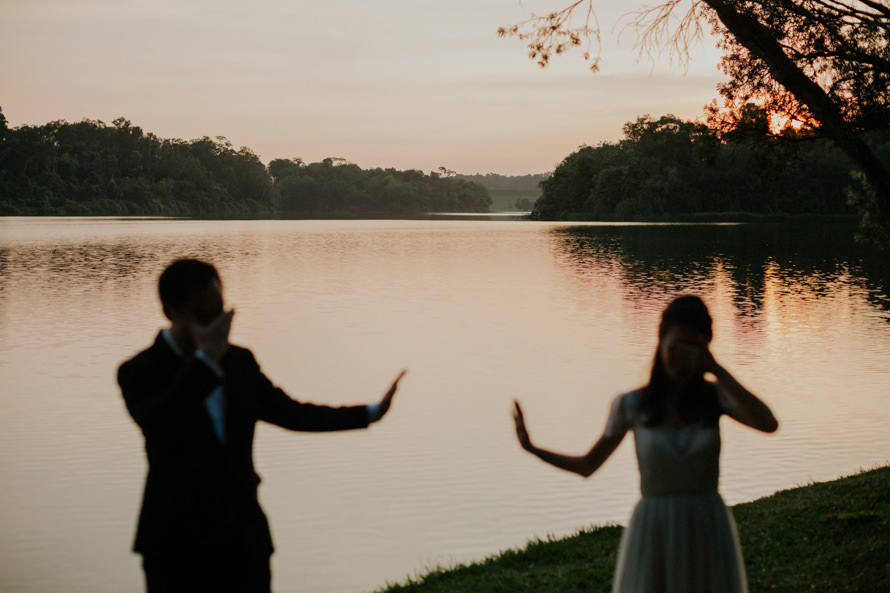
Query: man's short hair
pixel 182 278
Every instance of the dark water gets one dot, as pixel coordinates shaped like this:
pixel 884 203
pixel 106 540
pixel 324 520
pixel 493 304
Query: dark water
pixel 559 316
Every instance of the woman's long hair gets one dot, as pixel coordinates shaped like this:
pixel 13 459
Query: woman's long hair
pixel 698 405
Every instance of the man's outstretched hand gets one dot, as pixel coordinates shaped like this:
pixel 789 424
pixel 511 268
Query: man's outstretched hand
pixel 386 402
pixel 521 432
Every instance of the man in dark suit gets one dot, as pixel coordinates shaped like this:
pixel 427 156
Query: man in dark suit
pixel 197 399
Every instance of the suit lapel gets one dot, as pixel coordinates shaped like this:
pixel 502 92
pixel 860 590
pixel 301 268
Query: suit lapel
pixel 172 363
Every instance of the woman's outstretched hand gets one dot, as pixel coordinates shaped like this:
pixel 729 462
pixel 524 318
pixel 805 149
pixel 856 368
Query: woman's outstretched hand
pixel 583 465
pixel 521 432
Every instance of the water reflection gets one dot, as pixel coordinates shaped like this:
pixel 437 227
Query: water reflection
pixel 755 269
pixel 561 316
pixel 657 261
pixel 801 310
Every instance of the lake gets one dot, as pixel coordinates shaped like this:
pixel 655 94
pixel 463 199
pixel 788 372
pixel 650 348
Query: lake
pixel 562 317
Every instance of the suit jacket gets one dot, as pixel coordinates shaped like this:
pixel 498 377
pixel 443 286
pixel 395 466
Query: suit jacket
pixel 200 491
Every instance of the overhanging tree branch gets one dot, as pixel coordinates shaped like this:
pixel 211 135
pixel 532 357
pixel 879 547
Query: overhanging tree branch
pixel 758 40
pixel 832 56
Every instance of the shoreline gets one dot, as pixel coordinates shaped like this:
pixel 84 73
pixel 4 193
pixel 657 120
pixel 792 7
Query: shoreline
pixel 822 536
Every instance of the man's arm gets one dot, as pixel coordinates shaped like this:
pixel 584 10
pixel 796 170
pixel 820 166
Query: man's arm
pixel 280 409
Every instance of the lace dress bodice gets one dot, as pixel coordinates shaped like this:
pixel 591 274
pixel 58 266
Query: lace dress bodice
pixel 677 461
pixel 671 460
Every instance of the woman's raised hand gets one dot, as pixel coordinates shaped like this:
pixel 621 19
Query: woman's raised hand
pixel 708 363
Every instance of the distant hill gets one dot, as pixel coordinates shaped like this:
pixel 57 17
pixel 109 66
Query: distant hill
pixel 493 181
pixel 509 193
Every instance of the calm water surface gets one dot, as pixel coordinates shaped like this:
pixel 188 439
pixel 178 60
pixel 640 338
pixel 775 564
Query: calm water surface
pixel 562 317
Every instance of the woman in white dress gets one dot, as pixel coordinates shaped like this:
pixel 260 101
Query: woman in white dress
pixel 681 537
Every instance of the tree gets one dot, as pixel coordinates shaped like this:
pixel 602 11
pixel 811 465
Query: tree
pixel 281 168
pixel 336 188
pixel 88 168
pixel 667 169
pixel 845 50
pixel 751 121
pixel 4 126
pixel 524 204
pixel 831 57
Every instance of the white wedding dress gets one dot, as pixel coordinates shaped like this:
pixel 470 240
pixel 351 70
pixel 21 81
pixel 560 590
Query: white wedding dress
pixel 681 537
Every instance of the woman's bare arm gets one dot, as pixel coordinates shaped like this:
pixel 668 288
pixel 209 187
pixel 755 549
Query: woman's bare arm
pixel 745 407
pixel 583 465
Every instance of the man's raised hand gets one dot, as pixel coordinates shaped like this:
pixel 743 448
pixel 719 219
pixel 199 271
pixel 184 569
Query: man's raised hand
pixel 213 339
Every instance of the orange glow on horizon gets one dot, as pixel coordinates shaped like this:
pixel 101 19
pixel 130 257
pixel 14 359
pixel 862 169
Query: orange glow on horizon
pixel 776 120
pixel 777 123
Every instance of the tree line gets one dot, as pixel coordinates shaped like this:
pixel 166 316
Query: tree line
pixel 663 169
pixel 334 188
pixel 670 169
pixel 91 169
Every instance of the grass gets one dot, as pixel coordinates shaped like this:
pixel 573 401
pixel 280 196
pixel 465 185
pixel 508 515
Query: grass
pixel 830 537
pixel 724 217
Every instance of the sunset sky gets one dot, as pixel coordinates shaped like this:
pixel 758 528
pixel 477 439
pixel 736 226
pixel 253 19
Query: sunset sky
pixel 410 84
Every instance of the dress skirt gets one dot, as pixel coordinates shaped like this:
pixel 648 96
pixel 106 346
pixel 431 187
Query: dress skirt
pixel 680 544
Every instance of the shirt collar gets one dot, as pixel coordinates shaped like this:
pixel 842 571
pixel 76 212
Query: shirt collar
pixel 171 342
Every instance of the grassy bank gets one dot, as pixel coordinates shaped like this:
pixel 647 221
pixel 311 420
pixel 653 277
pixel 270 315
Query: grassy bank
pixel 827 537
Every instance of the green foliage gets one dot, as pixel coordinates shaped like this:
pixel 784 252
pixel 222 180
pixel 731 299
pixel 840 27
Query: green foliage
pixel 828 537
pixel 326 189
pixel 90 169
pixel 668 169
pixel 582 563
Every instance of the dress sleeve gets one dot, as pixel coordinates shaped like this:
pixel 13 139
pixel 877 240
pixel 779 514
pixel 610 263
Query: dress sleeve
pixel 620 417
